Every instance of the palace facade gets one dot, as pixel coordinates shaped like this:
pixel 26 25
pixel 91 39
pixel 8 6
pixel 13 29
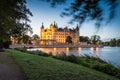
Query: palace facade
pixel 55 35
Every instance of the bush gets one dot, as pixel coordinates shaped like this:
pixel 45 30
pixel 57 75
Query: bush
pixel 1 50
pixel 4 44
pixel 23 49
pixel 40 53
pixel 61 56
pixel 72 58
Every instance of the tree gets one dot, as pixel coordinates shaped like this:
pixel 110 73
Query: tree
pixel 84 39
pixel 35 37
pixel 68 39
pixel 113 42
pixel 95 39
pixel 14 18
pixel 26 39
pixel 118 42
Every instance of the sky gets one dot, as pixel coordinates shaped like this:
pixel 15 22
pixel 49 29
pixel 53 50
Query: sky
pixel 43 13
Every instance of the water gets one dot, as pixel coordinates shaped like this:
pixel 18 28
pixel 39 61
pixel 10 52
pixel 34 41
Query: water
pixel 109 54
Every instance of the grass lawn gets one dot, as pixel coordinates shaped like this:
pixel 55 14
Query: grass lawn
pixel 47 68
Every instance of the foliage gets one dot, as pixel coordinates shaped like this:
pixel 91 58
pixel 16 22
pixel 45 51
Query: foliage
pixel 69 39
pixel 4 44
pixel 40 53
pixel 55 2
pixel 35 37
pixel 22 49
pixel 112 42
pixel 14 18
pixel 85 10
pixel 1 50
pixel 26 39
pixel 84 39
pixel 47 68
pixel 95 39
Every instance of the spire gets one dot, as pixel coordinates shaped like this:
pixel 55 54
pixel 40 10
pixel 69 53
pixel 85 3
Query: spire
pixel 54 24
pixel 42 25
pixel 77 27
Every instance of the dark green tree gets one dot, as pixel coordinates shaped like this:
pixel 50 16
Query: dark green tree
pixel 26 39
pixel 14 19
pixel 35 37
pixel 84 39
pixel 95 39
pixel 113 42
pixel 118 42
pixel 68 39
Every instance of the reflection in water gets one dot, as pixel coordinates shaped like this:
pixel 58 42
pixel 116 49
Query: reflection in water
pixel 97 52
pixel 70 51
pixel 94 51
pixel 79 51
pixel 55 51
pixel 73 51
pixel 67 51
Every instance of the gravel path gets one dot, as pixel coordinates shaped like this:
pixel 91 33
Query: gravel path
pixel 8 68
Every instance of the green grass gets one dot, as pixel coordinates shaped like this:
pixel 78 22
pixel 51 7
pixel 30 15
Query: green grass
pixel 91 62
pixel 47 68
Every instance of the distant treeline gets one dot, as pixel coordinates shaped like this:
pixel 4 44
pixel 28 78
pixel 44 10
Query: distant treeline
pixel 112 42
pixel 95 39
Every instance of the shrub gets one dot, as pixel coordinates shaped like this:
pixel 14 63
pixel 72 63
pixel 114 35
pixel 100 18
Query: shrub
pixel 40 53
pixel 61 56
pixel 23 49
pixel 72 58
pixel 1 50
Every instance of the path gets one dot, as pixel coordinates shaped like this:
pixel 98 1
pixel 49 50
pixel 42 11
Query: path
pixel 8 68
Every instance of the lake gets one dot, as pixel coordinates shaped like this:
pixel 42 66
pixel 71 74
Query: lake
pixel 109 54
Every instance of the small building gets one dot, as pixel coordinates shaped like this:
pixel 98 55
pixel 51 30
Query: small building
pixel 56 35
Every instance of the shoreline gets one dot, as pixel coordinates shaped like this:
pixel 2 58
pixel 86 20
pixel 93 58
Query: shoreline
pixel 55 46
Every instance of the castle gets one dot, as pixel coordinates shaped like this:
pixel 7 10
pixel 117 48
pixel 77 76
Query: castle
pixel 55 35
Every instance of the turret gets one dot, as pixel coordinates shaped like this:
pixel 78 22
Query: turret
pixel 77 27
pixel 54 24
pixel 51 26
pixel 77 33
pixel 42 27
pixel 42 30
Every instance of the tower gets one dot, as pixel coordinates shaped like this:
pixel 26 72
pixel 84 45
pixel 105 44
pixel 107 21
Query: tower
pixel 77 33
pixel 42 31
